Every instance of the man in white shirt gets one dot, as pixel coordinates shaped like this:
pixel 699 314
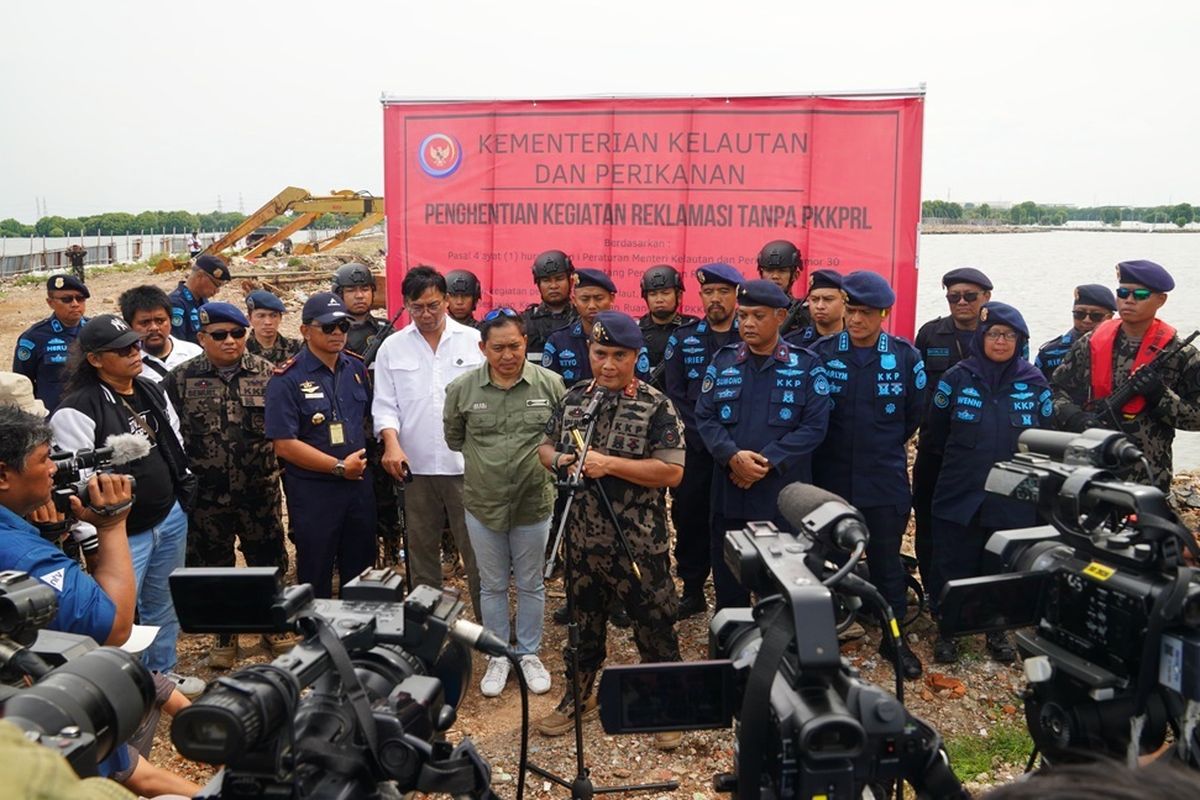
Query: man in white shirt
pixel 147 310
pixel 412 370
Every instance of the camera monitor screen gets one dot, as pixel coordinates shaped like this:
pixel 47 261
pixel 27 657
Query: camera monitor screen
pixel 225 599
pixel 993 602
pixel 642 698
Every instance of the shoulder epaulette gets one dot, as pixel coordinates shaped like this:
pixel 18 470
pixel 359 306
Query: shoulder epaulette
pixel 285 366
pixel 352 353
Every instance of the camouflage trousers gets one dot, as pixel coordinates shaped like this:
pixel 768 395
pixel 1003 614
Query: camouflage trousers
pixel 214 524
pixel 606 577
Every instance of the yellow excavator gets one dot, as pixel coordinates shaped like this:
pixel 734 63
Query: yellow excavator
pixel 307 207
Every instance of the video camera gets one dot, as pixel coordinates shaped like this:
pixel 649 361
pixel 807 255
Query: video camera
pixel 83 709
pixel 808 725
pixel 355 710
pixel 73 471
pixel 1113 655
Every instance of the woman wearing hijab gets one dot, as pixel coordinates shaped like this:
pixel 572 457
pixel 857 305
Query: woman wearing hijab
pixel 980 407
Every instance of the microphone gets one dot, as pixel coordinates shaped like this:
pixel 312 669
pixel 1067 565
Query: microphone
pixel 823 515
pixel 599 397
pixel 477 637
pixel 127 447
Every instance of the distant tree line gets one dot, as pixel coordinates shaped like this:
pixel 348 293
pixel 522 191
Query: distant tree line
pixel 1031 213
pixel 119 223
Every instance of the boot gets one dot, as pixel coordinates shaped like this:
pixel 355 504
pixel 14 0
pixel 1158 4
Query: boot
pixel 691 603
pixel 1000 648
pixel 910 665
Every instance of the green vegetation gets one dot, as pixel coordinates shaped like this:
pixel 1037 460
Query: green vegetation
pixel 1007 742
pixel 1031 213
pixel 120 223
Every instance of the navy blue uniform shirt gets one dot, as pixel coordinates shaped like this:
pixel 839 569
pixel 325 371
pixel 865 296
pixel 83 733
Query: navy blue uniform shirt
pixel 304 398
pixel 689 352
pixel 878 398
pixel 185 313
pixel 778 408
pixel 41 356
pixel 566 352
pixel 1051 354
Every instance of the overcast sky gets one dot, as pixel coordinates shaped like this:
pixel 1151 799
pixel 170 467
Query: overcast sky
pixel 151 105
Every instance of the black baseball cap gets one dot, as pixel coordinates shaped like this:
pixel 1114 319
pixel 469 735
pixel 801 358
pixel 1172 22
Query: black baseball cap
pixel 106 332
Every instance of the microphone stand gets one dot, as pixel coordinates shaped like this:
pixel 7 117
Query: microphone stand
pixel 581 786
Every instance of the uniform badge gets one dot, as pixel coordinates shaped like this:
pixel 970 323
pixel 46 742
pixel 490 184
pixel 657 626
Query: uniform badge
pixel 941 400
pixel 887 361
pixel 643 363
pixel 204 316
pixel 890 408
pixel 785 413
pixel 726 412
pixel 707 386
pixel 308 387
pixel 59 283
pixel 318 418
pixel 821 383
pixel 983 315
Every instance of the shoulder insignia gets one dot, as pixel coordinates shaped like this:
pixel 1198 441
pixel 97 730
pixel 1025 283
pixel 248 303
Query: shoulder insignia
pixel 352 353
pixel 285 366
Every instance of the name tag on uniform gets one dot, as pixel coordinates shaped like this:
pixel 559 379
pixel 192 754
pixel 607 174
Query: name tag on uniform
pixel 337 434
pixel 541 403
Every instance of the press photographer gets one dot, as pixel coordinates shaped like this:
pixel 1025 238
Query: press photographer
pixel 1108 592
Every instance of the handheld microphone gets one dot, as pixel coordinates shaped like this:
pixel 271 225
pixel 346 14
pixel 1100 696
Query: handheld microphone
pixel 599 397
pixel 823 515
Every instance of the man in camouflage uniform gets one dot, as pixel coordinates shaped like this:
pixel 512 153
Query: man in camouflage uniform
pixel 1166 397
pixel 637 452
pixel 219 397
pixel 265 311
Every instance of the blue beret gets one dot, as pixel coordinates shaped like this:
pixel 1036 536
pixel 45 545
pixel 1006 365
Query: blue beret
pixel 594 277
pixel 215 311
pixel 762 293
pixel 58 283
pixel 262 299
pixel 1002 314
pixel 214 266
pixel 870 289
pixel 1146 273
pixel 719 273
pixel 824 279
pixel 617 330
pixel 966 275
pixel 323 308
pixel 1094 294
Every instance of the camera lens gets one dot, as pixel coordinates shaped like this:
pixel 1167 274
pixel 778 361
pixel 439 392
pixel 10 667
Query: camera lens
pixel 106 692
pixel 235 716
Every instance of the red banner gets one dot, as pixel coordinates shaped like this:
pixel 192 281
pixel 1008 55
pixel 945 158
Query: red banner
pixel 624 184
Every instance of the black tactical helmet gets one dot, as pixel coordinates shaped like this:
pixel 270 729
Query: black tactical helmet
pixel 352 274
pixel 661 277
pixel 779 254
pixel 551 262
pixel 461 281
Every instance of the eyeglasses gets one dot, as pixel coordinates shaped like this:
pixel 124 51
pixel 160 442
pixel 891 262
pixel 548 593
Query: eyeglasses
pixel 1094 316
pixel 957 297
pixel 425 308
pixel 1001 336
pixel 340 325
pixel 1124 292
pixel 127 350
pixel 503 311
pixel 69 299
pixel 220 336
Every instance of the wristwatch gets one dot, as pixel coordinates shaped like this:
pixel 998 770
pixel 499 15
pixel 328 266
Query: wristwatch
pixel 339 469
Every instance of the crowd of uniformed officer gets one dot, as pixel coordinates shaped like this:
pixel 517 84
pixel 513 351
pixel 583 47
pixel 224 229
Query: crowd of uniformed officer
pixel 764 389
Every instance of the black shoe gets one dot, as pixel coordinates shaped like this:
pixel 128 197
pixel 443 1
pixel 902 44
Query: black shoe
pixel 618 617
pixel 910 665
pixel 560 616
pixel 945 651
pixel 690 604
pixel 1000 648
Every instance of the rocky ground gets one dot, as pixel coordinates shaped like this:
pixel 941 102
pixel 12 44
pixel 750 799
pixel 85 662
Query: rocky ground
pixel 975 704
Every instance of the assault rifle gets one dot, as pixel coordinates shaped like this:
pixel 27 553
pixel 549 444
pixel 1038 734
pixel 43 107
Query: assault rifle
pixel 1110 407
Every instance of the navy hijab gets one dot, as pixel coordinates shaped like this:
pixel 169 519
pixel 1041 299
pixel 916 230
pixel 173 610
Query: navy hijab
pixel 1017 369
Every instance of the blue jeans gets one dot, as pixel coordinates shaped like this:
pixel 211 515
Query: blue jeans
pixel 520 552
pixel 156 552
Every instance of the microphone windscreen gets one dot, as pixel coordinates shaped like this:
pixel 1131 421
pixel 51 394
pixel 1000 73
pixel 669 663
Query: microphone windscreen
pixel 798 500
pixel 127 447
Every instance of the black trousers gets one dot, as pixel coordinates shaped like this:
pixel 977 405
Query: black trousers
pixel 957 553
pixel 886 525
pixel 924 480
pixel 691 516
pixel 729 593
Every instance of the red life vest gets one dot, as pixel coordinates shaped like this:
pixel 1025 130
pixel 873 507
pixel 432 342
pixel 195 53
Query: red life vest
pixel 1104 338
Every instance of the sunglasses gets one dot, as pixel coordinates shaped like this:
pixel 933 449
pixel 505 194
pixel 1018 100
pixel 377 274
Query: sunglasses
pixel 127 350
pixel 503 311
pixel 220 336
pixel 340 325
pixel 1124 292
pixel 1001 336
pixel 958 297
pixel 69 299
pixel 1094 316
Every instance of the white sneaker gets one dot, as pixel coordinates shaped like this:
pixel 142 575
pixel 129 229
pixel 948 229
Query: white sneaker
pixel 536 676
pixel 495 677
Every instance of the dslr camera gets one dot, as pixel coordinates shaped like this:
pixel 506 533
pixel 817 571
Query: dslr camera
pixel 355 710
pixel 84 708
pixel 807 724
pixel 1107 603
